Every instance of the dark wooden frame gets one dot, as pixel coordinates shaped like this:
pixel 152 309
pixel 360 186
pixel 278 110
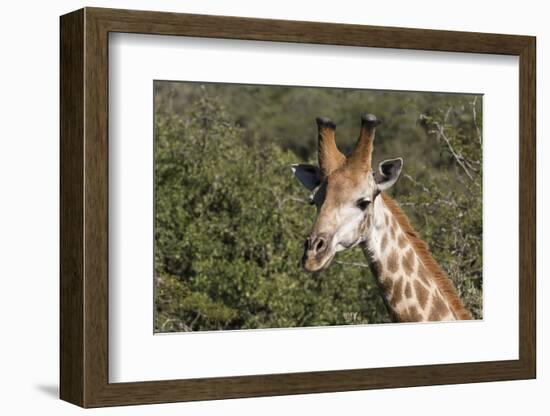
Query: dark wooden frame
pixel 84 207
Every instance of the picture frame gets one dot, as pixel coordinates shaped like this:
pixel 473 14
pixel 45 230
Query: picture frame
pixel 84 218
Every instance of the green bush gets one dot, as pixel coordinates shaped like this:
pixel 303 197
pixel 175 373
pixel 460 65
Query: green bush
pixel 230 220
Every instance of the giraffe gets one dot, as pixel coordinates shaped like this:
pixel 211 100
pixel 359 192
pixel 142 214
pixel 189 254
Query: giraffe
pixel 354 210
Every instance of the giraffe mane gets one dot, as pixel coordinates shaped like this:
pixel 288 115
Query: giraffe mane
pixel 441 279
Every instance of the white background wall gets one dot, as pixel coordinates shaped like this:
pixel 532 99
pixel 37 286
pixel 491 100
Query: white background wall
pixel 29 85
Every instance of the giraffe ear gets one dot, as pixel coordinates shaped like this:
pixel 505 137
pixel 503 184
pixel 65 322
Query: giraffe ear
pixel 388 173
pixel 308 175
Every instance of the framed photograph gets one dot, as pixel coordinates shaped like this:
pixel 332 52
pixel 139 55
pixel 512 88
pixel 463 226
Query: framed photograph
pixel 255 207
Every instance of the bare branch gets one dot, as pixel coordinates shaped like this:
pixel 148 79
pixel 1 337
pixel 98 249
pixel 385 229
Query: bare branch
pixel 165 323
pixel 354 264
pixel 194 321
pixel 285 199
pixel 459 158
pixel 474 116
pixel 416 183
pixel 437 199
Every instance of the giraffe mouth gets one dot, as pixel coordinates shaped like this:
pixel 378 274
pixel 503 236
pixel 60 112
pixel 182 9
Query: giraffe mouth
pixel 315 265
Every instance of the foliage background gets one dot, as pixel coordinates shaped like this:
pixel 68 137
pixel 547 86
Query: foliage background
pixel 230 220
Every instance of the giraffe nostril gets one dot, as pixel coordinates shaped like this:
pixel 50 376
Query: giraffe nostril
pixel 315 245
pixel 320 244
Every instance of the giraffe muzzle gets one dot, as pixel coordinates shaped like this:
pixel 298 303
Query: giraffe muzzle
pixel 317 255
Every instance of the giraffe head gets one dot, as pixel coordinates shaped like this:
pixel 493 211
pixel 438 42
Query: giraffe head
pixel 343 190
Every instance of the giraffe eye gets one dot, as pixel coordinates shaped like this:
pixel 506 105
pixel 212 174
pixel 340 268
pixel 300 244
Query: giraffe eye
pixel 362 204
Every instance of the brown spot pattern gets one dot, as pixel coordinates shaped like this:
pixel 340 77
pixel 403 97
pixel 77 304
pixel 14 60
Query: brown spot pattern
pixel 414 316
pixel 408 290
pixel 421 293
pixel 392 232
pixel 435 274
pixel 434 316
pixel 387 284
pixel 392 262
pixel 384 243
pixel 423 274
pixel 397 293
pixel 402 241
pixel 403 316
pixel 408 262
pixel 439 309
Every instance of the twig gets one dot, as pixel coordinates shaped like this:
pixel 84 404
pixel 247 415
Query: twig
pixel 437 199
pixel 474 116
pixel 347 263
pixel 166 322
pixel 428 204
pixel 415 182
pixel 194 321
pixel 456 156
pixel 281 202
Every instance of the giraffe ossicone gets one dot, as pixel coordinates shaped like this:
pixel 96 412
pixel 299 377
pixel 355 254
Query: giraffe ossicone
pixel 353 209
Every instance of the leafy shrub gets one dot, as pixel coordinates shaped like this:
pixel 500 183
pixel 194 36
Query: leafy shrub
pixel 230 220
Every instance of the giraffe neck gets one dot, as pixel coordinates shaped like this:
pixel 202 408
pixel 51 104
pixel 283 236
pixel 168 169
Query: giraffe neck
pixel 413 286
